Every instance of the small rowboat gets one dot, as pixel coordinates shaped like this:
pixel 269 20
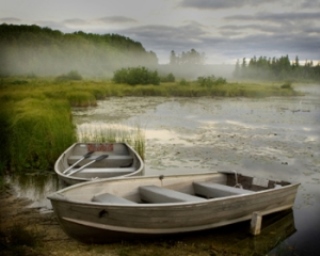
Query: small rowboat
pixel 87 161
pixel 116 209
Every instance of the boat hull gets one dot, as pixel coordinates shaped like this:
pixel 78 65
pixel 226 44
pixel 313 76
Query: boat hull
pixel 98 222
pixel 121 161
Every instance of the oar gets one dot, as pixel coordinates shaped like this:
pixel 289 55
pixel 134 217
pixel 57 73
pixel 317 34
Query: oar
pixel 87 155
pixel 99 158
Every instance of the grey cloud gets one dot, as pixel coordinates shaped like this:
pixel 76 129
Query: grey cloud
pixel 239 29
pixel 310 4
pixel 270 45
pixel 10 20
pixel 116 20
pixel 299 22
pixel 75 22
pixel 277 17
pixel 234 41
pixel 221 4
pixel 160 36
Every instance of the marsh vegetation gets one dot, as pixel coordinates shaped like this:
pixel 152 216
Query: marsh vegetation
pixel 36 113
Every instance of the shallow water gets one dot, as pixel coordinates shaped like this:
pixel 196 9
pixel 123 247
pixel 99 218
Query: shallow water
pixel 273 138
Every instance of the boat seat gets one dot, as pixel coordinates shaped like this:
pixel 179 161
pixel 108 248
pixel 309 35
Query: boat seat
pixel 111 160
pixel 155 194
pixel 111 199
pixel 211 190
pixel 110 171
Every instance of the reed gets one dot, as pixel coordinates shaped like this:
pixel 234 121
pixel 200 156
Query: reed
pixel 134 136
pixel 81 99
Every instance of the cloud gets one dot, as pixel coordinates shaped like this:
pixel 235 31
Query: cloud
pixel 116 20
pixel 170 37
pixel 270 45
pixel 94 24
pixel 277 17
pixel 310 4
pixel 222 4
pixel 298 23
pixel 76 22
pixel 10 20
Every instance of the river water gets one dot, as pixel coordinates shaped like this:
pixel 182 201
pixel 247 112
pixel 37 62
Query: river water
pixel 276 137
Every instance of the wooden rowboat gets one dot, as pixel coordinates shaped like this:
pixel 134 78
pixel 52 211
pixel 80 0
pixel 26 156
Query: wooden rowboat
pixel 86 161
pixel 114 209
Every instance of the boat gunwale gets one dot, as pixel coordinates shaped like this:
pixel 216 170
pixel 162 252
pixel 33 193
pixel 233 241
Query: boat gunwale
pixel 76 180
pixel 59 196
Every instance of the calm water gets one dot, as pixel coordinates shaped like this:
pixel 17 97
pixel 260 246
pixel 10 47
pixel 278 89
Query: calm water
pixel 274 138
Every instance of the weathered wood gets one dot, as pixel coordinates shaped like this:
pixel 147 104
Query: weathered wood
pixel 154 194
pixel 98 222
pixel 255 224
pixel 110 198
pixel 212 190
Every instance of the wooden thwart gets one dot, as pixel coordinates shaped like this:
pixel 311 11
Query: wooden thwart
pixel 111 199
pixel 212 190
pixel 154 194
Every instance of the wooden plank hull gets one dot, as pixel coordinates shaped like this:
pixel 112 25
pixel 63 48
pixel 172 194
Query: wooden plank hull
pixel 121 160
pixel 102 222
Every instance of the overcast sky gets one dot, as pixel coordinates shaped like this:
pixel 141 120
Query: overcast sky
pixel 225 30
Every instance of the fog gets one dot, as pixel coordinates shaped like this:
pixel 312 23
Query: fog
pixel 191 72
pixel 91 61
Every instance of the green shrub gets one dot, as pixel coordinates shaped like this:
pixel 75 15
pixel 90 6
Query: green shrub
pixel 168 78
pixel 134 76
pixel 183 82
pixel 210 81
pixel 286 85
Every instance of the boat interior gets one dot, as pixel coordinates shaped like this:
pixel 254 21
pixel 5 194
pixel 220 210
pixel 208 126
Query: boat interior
pixel 102 160
pixel 168 190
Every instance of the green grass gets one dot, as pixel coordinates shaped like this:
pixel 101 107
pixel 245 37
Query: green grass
pixel 39 130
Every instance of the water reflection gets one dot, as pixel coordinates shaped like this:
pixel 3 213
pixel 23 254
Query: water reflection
pixel 35 187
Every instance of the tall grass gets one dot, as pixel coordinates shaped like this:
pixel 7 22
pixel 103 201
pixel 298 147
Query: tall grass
pixel 39 131
pixel 134 136
pixel 81 99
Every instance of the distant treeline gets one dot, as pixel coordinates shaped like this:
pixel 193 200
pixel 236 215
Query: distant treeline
pixel 191 57
pixel 32 50
pixel 277 68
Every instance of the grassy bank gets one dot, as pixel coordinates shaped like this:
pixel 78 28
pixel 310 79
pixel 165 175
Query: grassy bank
pixel 36 121
pixel 36 130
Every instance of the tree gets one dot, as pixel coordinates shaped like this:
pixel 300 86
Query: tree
pixel 244 63
pixel 237 71
pixel 173 58
pixel 191 57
